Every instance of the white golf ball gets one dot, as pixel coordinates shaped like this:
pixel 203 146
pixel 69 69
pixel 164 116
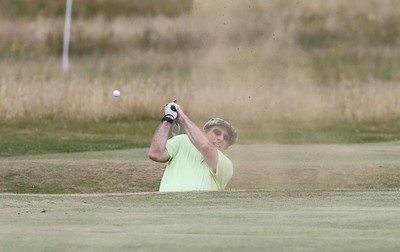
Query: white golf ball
pixel 116 93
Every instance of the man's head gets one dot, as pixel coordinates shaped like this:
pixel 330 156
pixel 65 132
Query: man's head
pixel 221 133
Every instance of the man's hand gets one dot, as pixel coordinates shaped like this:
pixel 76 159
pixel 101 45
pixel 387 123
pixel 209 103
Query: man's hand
pixel 171 109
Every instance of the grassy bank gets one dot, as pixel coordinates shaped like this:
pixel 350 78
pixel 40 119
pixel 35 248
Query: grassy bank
pixel 28 9
pixel 49 135
pixel 53 136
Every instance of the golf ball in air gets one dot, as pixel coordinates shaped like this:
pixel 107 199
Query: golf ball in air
pixel 116 93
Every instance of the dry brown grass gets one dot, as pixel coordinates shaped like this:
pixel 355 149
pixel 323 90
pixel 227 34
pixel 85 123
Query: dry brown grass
pixel 242 63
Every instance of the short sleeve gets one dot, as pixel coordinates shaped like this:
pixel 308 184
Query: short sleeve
pixel 224 170
pixel 173 146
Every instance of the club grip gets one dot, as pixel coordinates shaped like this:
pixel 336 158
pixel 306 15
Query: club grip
pixel 173 108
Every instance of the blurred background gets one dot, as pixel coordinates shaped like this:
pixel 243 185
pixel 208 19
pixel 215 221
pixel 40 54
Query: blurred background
pixel 252 62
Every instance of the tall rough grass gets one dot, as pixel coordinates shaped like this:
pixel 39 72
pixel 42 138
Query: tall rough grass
pixel 256 61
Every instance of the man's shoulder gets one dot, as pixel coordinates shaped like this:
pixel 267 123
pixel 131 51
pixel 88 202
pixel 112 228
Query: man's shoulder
pixel 180 137
pixel 178 140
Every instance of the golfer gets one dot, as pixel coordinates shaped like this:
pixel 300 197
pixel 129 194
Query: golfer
pixel 195 160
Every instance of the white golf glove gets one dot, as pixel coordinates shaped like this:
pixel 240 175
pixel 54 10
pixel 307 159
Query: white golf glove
pixel 171 109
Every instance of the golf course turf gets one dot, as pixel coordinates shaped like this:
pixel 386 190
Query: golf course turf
pixel 334 220
pixel 340 197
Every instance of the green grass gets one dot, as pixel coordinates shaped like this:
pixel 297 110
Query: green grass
pixel 55 136
pixel 290 132
pixel 217 221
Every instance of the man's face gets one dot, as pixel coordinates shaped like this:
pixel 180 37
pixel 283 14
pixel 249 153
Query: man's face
pixel 219 136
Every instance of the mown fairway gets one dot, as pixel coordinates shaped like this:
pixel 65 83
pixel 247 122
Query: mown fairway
pixel 218 221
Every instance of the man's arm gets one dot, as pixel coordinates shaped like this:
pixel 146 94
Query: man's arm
pixel 158 151
pixel 199 140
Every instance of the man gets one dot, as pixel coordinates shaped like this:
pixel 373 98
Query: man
pixel 195 160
